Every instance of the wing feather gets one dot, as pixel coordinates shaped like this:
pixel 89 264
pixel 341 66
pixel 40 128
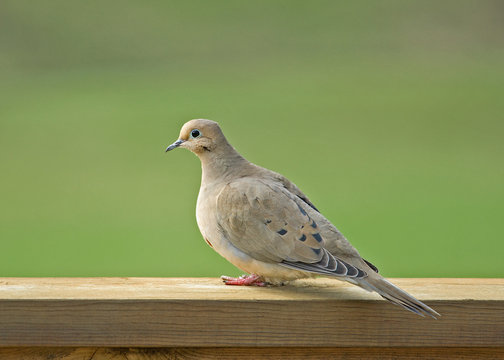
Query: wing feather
pixel 271 224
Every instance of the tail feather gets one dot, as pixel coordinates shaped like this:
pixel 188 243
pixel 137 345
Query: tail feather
pixel 396 296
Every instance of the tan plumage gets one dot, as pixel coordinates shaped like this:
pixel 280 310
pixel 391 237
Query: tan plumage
pixel 263 224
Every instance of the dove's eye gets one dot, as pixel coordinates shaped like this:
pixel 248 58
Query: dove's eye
pixel 195 133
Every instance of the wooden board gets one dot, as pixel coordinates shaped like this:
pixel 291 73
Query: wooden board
pixel 158 312
pixel 295 353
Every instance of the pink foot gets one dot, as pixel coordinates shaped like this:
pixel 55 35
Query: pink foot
pixel 244 280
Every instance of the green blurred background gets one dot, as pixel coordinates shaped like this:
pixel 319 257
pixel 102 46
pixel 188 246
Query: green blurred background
pixel 387 114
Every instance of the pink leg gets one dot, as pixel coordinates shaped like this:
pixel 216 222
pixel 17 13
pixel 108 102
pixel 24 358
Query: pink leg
pixel 244 280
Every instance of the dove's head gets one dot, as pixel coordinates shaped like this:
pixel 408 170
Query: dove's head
pixel 200 136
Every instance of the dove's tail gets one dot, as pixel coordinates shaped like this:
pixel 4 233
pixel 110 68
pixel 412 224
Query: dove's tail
pixel 392 293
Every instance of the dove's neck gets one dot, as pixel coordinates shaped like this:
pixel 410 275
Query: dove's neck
pixel 223 163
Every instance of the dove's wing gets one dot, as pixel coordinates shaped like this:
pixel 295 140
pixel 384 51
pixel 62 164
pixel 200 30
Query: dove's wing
pixel 269 223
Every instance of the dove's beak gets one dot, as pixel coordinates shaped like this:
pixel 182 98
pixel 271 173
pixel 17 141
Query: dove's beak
pixel 176 144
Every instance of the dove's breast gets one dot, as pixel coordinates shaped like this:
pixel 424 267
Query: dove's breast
pixel 205 215
pixel 207 219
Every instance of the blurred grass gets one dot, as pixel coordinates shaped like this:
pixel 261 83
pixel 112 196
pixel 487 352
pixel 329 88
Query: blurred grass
pixel 389 115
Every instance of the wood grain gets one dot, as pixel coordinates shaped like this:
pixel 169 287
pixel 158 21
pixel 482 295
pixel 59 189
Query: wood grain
pixel 213 289
pixel 295 353
pixel 177 313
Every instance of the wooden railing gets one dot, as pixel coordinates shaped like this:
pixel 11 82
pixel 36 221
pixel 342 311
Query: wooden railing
pixel 175 318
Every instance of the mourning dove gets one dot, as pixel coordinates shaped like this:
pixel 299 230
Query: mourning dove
pixel 263 224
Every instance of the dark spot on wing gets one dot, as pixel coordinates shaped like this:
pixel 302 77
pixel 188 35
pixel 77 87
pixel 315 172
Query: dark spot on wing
pixel 316 251
pixel 302 210
pixel 267 222
pixel 317 237
pixel 302 238
pixel 282 231
pixel 313 224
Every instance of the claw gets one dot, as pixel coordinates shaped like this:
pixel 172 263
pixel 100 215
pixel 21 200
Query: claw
pixel 244 280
